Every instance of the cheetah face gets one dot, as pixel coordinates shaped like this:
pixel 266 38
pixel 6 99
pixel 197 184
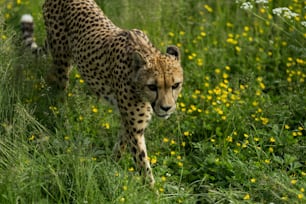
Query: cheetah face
pixel 160 80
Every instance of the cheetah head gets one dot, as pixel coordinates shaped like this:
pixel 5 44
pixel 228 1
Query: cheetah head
pixel 160 79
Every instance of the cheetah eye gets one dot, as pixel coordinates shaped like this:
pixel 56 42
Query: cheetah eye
pixel 175 86
pixel 152 87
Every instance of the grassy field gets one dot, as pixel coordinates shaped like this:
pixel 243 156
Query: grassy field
pixel 238 135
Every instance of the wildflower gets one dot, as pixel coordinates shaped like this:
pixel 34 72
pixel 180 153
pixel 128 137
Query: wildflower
pixel 165 140
pixel 161 189
pixel 287 127
pixel 230 25
pixel 124 188
pixel 238 49
pixel 180 164
pixel 229 139
pixel 106 125
pixel 267 161
pixel 131 169
pixel 94 109
pixel 122 200
pixel 272 140
pixel 293 181
pixel 261 1
pixel 163 178
pixel 232 41
pixel 81 81
pixel 31 138
pixel 285 12
pixel 186 133
pixel 247 197
pixel 246 6
pixel 182 33
pixel 66 137
pixel 300 196
pixel 253 180
pixel 208 8
pixel 171 34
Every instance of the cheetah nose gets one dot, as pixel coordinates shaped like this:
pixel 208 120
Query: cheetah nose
pixel 165 108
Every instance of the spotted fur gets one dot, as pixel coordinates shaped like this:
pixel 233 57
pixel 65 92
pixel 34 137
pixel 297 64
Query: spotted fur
pixel 116 63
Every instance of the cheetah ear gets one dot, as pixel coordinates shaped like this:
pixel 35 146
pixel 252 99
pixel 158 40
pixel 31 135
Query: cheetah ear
pixel 138 60
pixel 174 51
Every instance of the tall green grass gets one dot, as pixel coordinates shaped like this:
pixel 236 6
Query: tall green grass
pixel 238 135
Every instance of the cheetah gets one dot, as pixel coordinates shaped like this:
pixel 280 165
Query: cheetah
pixel 116 63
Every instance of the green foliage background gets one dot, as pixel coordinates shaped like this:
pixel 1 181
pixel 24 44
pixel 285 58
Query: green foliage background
pixel 238 135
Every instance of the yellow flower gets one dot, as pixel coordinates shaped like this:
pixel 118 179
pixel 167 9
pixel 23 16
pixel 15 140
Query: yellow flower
pixel 247 197
pixel 293 181
pixel 165 140
pixel 163 178
pixel 171 34
pixel 229 139
pixel 300 195
pixel 106 125
pixel 94 109
pixel 186 133
pixel 153 160
pixel 267 161
pixel 238 49
pixel 253 180
pixel 31 138
pixel 208 8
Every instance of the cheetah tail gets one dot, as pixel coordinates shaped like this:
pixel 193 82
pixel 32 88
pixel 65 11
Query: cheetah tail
pixel 27 29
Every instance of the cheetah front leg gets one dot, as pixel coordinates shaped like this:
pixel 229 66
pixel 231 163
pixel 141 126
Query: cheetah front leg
pixel 134 123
